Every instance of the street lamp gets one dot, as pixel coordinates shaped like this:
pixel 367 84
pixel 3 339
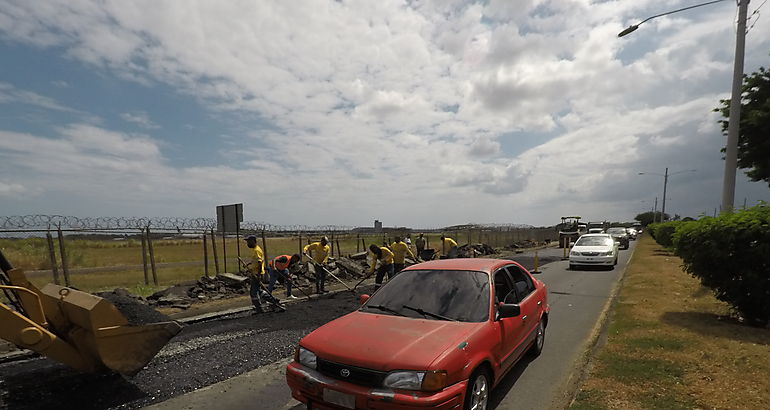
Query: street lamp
pixel 731 149
pixel 665 185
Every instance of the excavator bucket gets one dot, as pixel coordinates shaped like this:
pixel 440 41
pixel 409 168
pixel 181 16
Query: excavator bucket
pixel 84 331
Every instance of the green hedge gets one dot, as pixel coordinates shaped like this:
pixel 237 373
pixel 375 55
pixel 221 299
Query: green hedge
pixel 731 255
pixel 663 232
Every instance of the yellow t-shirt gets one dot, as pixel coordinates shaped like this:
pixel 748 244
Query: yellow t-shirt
pixel 449 243
pixel 320 252
pixel 386 259
pixel 400 249
pixel 257 266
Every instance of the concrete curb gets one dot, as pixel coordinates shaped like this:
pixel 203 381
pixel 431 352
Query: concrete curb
pixel 572 385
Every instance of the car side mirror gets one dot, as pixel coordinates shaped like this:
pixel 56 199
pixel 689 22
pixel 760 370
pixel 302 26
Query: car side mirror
pixel 362 299
pixel 509 310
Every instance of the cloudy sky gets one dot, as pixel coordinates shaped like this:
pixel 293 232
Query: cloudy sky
pixel 419 113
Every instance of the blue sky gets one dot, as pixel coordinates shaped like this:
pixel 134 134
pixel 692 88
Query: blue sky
pixel 426 113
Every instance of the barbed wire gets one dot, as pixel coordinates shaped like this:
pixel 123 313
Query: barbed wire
pixel 156 223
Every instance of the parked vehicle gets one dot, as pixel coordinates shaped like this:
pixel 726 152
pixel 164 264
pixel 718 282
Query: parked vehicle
pixel 595 230
pixel 631 233
pixel 620 235
pixel 594 250
pixel 440 334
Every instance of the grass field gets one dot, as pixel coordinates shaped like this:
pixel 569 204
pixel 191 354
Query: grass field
pixel 32 254
pixel 671 345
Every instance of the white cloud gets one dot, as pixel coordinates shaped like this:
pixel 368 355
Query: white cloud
pixel 379 103
pixel 140 118
pixel 9 94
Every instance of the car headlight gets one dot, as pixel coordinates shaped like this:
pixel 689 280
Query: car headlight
pixel 306 357
pixel 608 253
pixel 412 380
pixel 574 253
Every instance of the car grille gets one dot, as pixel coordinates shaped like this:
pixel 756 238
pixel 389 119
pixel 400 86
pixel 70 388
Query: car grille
pixel 357 375
pixel 590 253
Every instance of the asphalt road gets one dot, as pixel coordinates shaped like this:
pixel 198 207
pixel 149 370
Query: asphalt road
pixel 237 362
pixel 577 300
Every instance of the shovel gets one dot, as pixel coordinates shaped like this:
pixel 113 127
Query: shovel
pixel 318 265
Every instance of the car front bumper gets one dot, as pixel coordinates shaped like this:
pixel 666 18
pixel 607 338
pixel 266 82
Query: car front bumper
pixel 308 385
pixel 591 260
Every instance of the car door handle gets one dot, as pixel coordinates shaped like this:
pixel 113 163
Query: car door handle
pixel 524 317
pixel 539 302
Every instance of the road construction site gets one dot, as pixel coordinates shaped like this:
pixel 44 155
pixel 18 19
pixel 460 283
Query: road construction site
pixel 210 348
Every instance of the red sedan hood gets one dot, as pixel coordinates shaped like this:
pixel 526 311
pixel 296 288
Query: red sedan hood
pixel 385 342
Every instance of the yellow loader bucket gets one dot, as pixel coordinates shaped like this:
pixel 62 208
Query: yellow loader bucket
pixel 85 331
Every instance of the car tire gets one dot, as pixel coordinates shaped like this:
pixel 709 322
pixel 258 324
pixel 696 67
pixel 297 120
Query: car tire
pixel 478 391
pixel 616 262
pixel 537 345
pixel 572 267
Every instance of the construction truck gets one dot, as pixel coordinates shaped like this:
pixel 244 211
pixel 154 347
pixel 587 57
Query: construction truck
pixel 570 229
pixel 81 330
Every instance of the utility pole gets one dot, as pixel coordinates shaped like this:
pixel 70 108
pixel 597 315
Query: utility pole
pixel 655 210
pixel 663 210
pixel 733 126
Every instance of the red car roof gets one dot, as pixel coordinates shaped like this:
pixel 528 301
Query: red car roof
pixel 474 264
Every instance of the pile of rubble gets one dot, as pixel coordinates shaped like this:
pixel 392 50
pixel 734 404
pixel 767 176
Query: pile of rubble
pixel 474 250
pixel 523 244
pixel 183 295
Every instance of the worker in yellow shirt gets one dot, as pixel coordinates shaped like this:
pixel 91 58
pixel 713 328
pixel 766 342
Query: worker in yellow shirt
pixel 449 247
pixel 400 250
pixel 318 252
pixel 256 266
pixel 385 256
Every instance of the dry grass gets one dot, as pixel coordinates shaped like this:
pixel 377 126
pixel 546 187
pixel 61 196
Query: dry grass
pixel 672 345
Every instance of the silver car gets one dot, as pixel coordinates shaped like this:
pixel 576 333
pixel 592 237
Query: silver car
pixel 594 249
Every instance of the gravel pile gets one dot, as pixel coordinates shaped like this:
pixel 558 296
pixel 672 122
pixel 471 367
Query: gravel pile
pixel 136 312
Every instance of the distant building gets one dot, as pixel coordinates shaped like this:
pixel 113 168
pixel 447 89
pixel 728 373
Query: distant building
pixel 377 226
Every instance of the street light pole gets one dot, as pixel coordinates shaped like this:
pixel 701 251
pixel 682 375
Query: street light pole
pixel 663 210
pixel 733 125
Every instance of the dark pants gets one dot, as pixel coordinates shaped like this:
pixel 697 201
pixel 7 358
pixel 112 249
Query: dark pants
pixel 320 278
pixel 381 271
pixel 281 276
pixel 255 291
pixel 398 267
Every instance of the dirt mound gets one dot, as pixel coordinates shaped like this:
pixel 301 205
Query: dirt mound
pixel 136 312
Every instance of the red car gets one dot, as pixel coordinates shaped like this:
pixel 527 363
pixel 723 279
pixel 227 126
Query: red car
pixel 440 334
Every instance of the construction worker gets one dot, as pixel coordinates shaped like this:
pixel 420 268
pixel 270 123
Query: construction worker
pixel 420 243
pixel 400 250
pixel 385 256
pixel 449 246
pixel 279 271
pixel 256 266
pixel 318 252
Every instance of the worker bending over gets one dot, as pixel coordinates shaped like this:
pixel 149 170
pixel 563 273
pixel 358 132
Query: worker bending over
pixel 318 252
pixel 385 256
pixel 279 271
pixel 449 247
pixel 400 250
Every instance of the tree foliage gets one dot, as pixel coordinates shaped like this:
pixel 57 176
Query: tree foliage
pixel 646 218
pixel 753 141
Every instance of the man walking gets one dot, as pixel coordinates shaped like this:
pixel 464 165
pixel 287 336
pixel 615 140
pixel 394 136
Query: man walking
pixel 419 243
pixel 319 255
pixel 385 256
pixel 400 249
pixel 279 271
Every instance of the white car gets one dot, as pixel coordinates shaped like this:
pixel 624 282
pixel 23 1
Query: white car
pixel 594 249
pixel 595 230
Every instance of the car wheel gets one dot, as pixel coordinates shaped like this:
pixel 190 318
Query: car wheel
pixel 572 267
pixel 477 393
pixel 537 346
pixel 616 262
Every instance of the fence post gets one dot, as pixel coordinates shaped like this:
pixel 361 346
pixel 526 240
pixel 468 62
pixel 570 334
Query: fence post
pixel 299 241
pixel 224 250
pixel 63 255
pixel 205 256
pixel 214 250
pixel 469 236
pixel 358 243
pixel 264 247
pixel 152 258
pixel 144 259
pixel 339 252
pixel 332 243
pixel 52 257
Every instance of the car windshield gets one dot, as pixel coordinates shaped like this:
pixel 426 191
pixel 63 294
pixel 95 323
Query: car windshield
pixel 616 230
pixel 455 295
pixel 594 241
